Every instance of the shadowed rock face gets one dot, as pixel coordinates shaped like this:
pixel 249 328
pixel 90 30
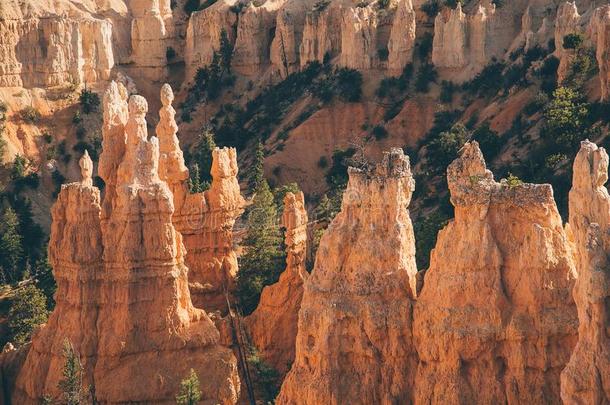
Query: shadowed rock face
pixel 354 341
pixel 123 297
pixel 273 325
pixel 586 378
pixel 495 322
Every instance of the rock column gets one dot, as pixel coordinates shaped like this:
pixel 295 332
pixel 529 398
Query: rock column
pixel 586 378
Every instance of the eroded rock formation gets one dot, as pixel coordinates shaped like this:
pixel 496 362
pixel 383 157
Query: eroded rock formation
pixel 273 325
pixel 204 32
pixel 123 297
pixel 402 37
pixel 586 378
pixel 600 36
pixel 566 22
pixel 359 37
pixel 495 322
pixel 354 340
pixel 206 219
pixel 75 253
pixel 321 35
pixel 54 50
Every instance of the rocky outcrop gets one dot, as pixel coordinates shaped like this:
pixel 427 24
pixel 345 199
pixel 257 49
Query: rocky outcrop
pixel 449 44
pixel 151 34
pixel 402 37
pixel 255 31
pixel 495 322
pixel 354 340
pixel 123 298
pixel 290 23
pixel 567 22
pixel 586 378
pixel 75 253
pixel 54 50
pixel 359 37
pixel 204 32
pixel 599 28
pixel 206 219
pixel 273 325
pixel 321 35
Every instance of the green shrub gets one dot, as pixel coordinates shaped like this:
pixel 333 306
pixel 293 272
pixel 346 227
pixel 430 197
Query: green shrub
pixel 383 54
pixel 320 5
pixel 566 120
pixel 512 181
pixel 425 75
pixel 536 104
pixel 349 83
pixel 447 90
pixel 89 101
pixel 488 82
pixel 452 3
pixel 30 115
pixel 47 138
pixel 170 54
pixel 323 162
pixel 268 379
pixel 383 3
pixel 425 46
pixel 573 41
pixel 379 132
pixel 190 390
pixel 431 8
pixel 489 141
pixel 426 231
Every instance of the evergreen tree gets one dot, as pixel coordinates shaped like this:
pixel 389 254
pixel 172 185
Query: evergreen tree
pixel 195 185
pixel 190 392
pixel 28 310
pixel 226 51
pixel 202 156
pixel 263 261
pixel 71 384
pixel 42 274
pixel 257 173
pixel 11 248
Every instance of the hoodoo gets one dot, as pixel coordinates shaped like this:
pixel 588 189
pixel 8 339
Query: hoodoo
pixel 586 378
pixel 495 322
pixel 354 341
pixel 273 325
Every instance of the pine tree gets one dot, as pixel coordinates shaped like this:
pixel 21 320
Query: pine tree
pixel 11 249
pixel 190 392
pixel 263 261
pixel 28 310
pixel 72 382
pixel 226 51
pixel 195 185
pixel 257 173
pixel 202 156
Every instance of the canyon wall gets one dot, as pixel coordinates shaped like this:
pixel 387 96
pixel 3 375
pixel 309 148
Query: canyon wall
pixel 599 32
pixel 495 322
pixel 205 219
pixel 586 378
pixel 354 342
pixel 55 50
pixel 273 325
pixel 123 298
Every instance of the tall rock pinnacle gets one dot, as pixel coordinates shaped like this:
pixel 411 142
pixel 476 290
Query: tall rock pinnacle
pixel 206 219
pixel 273 325
pixel 495 322
pixel 586 378
pixel 354 341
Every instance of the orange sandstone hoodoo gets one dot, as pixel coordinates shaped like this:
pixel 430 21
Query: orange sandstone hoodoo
pixel 123 297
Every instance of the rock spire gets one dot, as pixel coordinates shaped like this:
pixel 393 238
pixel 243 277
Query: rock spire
pixel 273 325
pixel 586 378
pixel 495 322
pixel 354 341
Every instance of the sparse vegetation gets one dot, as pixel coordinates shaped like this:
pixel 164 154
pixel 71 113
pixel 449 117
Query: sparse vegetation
pixel 425 75
pixel 28 310
pixel 431 8
pixel 190 390
pixel 30 115
pixel 89 101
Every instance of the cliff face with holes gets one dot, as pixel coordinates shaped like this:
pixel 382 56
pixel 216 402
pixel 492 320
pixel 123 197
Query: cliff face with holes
pixel 354 342
pixel 123 296
pixel 586 378
pixel 273 325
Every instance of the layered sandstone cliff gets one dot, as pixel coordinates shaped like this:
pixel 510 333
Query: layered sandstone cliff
pixel 123 297
pixel 495 322
pixel 402 37
pixel 206 219
pixel 586 378
pixel 273 325
pixel 599 32
pixel 354 341
pixel 56 50
pixel 321 33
